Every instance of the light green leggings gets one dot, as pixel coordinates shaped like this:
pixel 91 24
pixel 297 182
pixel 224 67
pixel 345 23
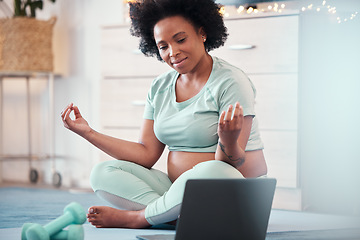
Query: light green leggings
pixel 132 187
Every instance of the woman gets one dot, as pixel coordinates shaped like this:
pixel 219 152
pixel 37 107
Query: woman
pixel 189 108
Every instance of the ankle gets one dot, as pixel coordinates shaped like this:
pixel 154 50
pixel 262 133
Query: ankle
pixel 138 219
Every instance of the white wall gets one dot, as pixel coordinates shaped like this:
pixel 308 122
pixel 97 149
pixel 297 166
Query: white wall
pixel 329 129
pixel 76 50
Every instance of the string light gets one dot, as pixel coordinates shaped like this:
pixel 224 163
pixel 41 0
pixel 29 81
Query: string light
pixel 316 5
pixel 240 9
pixel 250 10
pixel 276 7
pixel 222 10
pixel 330 9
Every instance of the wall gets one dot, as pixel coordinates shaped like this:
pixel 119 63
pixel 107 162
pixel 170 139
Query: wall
pixel 77 62
pixel 329 129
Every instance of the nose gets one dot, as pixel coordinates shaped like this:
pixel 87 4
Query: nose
pixel 174 51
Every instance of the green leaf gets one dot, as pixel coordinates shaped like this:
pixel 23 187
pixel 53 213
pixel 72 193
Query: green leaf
pixel 17 8
pixel 34 6
pixel 20 7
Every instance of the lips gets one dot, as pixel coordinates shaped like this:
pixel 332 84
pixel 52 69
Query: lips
pixel 179 62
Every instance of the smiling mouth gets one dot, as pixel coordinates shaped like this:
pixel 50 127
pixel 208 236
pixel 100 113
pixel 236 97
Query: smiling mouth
pixel 179 62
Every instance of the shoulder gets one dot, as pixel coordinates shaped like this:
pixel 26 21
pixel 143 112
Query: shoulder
pixel 163 82
pixel 226 76
pixel 232 85
pixel 227 71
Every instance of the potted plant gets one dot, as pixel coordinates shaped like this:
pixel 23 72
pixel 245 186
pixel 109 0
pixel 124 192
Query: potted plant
pixel 26 42
pixel 28 8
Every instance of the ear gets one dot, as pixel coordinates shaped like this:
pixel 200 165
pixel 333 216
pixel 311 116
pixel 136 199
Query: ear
pixel 202 33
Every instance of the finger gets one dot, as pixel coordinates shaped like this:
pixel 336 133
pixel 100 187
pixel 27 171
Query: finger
pixel 236 110
pixel 66 125
pixel 241 111
pixel 67 120
pixel 221 119
pixel 65 109
pixel 229 113
pixel 76 112
pixel 240 117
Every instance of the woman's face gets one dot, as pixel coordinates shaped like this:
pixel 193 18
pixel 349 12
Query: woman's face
pixel 180 45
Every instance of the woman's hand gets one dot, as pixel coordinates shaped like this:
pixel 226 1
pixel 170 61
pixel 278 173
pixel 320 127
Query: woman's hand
pixel 79 125
pixel 229 128
pixel 230 125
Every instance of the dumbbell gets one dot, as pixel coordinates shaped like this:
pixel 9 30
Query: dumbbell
pixel 73 214
pixel 75 232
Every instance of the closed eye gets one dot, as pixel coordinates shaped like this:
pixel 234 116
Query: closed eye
pixel 162 47
pixel 181 40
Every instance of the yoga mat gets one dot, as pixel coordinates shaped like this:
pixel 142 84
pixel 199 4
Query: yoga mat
pixel 21 205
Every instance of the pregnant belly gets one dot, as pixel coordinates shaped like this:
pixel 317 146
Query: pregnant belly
pixel 179 162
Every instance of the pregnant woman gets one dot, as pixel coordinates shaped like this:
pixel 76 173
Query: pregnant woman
pixel 202 109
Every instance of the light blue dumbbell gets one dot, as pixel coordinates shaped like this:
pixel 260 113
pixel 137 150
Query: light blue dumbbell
pixel 73 214
pixel 25 227
pixel 75 232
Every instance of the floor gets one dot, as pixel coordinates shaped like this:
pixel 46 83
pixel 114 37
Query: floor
pixel 40 204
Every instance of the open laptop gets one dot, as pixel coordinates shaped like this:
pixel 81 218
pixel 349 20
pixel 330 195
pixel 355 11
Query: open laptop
pixel 216 209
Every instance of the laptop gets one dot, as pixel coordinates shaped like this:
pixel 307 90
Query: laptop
pixel 230 209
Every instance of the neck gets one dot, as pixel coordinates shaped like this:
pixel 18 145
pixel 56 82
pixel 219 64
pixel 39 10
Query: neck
pixel 201 72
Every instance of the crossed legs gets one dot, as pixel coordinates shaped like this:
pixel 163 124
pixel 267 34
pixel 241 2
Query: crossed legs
pixel 144 197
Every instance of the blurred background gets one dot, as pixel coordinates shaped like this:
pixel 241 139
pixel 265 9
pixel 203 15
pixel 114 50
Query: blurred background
pixel 303 57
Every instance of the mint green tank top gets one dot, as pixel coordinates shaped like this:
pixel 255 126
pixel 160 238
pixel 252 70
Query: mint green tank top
pixel 191 126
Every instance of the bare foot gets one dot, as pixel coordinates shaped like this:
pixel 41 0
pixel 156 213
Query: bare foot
pixel 108 217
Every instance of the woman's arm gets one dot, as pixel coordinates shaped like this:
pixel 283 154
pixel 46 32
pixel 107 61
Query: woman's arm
pixel 234 131
pixel 146 152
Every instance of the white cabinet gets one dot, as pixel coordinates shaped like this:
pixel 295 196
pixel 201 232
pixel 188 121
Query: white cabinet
pixel 274 42
pixel 121 56
pixel 123 101
pixel 127 76
pixel 276 109
pixel 276 101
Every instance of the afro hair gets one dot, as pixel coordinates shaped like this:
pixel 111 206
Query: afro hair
pixel 144 15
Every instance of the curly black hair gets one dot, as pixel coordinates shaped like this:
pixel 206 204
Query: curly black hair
pixel 145 14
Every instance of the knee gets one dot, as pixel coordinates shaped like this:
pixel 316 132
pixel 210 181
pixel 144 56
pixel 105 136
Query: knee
pixel 100 172
pixel 96 172
pixel 99 168
pixel 216 169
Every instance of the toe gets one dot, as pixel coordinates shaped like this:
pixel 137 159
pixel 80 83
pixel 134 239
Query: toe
pixel 93 210
pixel 95 222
